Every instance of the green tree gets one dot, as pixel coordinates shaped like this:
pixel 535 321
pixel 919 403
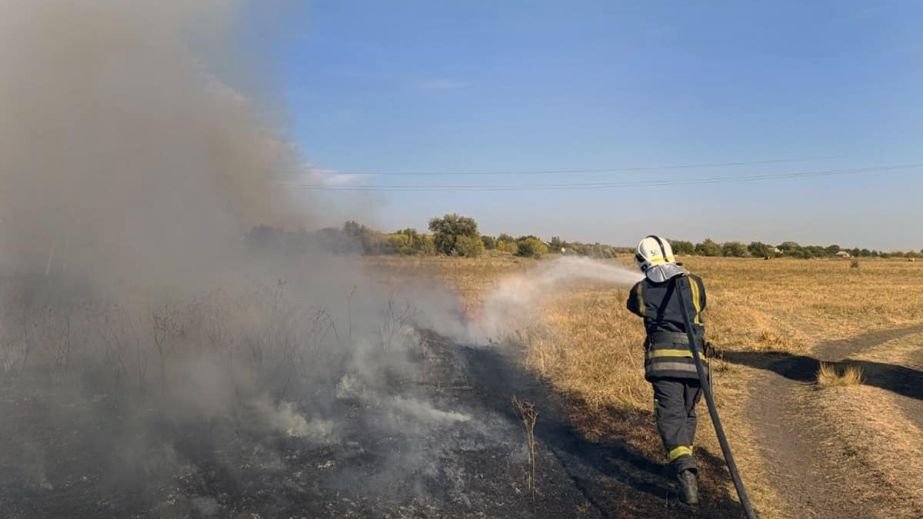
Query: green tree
pixel 734 249
pixel 449 228
pixel 426 245
pixel 530 247
pixel 791 248
pixel 468 246
pixel 416 242
pixel 370 240
pixel 815 251
pixel 399 243
pixel 410 232
pixel 683 248
pixel 490 243
pixel 708 248
pixel 506 243
pixel 761 250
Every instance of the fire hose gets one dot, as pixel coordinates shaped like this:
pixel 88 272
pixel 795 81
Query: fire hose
pixel 705 382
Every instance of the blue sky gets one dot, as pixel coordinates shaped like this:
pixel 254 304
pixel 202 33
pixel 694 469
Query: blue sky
pixel 480 86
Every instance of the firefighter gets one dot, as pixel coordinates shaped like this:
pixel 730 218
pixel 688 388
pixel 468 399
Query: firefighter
pixel 668 362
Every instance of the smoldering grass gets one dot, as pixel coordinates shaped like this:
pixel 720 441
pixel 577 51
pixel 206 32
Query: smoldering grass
pixel 425 412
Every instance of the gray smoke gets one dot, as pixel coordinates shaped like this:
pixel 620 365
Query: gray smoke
pixel 132 310
pixel 121 156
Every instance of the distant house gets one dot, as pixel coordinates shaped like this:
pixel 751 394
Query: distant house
pixel 843 254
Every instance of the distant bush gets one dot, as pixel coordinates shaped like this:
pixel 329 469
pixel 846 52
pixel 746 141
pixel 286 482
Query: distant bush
pixel 413 242
pixel 468 247
pixel 683 248
pixel 708 248
pixel 398 244
pixel 506 246
pixel 598 250
pixel 455 235
pixel 448 229
pixel 734 249
pixel 530 247
pixel 761 250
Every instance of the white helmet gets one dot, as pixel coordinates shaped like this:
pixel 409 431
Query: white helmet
pixel 655 258
pixel 653 250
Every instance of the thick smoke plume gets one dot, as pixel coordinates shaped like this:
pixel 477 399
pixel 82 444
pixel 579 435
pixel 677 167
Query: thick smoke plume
pixel 134 313
pixel 121 156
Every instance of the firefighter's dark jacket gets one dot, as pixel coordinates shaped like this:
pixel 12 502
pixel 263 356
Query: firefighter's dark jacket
pixel 667 353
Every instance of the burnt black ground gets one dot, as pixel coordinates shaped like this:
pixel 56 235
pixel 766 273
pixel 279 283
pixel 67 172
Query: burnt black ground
pixel 62 467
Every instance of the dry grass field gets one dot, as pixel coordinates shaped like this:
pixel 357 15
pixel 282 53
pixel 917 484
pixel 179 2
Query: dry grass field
pixel 587 346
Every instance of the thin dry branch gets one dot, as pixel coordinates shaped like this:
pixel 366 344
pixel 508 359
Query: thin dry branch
pixel 529 416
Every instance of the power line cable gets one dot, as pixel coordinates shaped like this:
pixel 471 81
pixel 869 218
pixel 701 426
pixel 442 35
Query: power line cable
pixel 631 169
pixel 607 185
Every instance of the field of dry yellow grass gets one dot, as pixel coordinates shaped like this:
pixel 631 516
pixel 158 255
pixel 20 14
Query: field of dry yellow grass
pixel 587 346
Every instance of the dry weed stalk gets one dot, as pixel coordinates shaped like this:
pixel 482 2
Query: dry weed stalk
pixel 397 316
pixel 165 327
pixel 529 416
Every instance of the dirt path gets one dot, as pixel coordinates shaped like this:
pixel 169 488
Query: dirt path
pixel 808 468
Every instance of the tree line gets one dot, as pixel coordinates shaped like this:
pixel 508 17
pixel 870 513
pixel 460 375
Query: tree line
pixel 789 249
pixel 449 235
pixel 455 235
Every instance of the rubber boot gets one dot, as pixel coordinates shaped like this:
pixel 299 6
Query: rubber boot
pixel 689 487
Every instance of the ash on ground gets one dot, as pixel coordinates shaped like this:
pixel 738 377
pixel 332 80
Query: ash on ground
pixel 430 447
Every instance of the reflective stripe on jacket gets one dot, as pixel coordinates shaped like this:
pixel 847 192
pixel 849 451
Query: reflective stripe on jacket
pixel 667 346
pixel 667 355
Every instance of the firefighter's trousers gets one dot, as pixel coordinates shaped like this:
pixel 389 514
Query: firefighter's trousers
pixel 674 403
